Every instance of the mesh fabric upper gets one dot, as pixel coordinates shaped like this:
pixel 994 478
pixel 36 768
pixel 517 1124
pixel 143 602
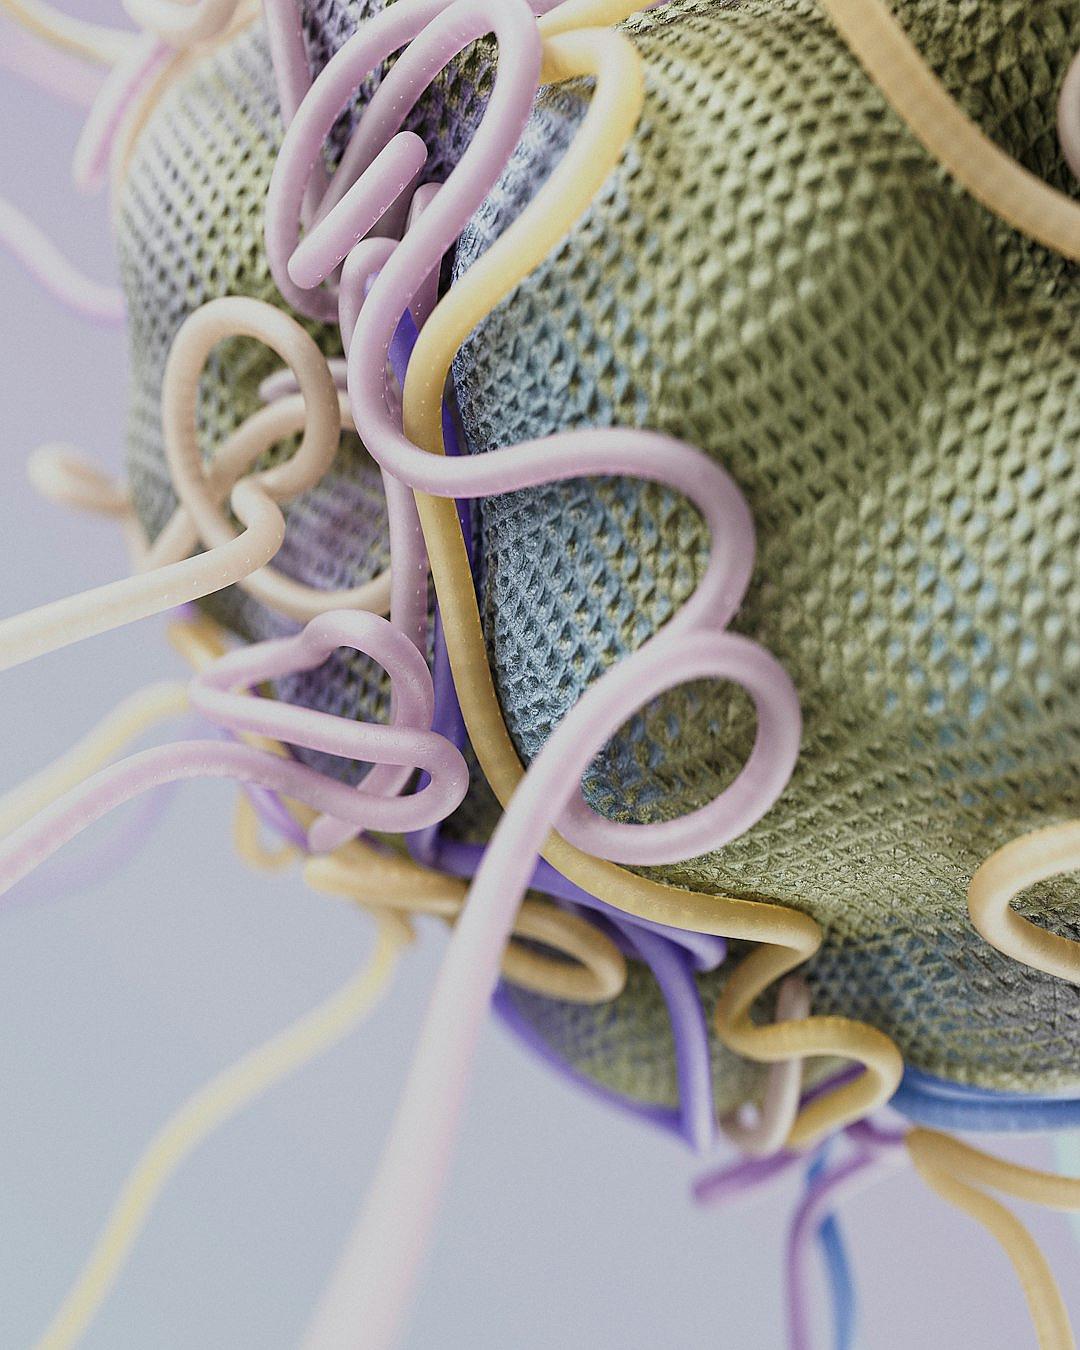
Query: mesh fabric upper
pixel 191 229
pixel 779 274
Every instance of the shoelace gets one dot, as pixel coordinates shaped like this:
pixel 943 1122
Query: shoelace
pixel 1059 215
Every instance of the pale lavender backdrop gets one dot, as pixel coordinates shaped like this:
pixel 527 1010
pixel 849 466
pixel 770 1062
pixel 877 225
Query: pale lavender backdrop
pixel 565 1228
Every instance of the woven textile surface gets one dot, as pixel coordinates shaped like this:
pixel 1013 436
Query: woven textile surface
pixel 778 273
pixel 893 378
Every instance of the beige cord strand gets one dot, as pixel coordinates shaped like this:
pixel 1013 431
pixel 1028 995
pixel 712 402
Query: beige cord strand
pixel 215 1103
pixel 1034 857
pixel 91 41
pixel 792 936
pixel 64 475
pixel 182 23
pixel 200 517
pixel 179 64
pixel 588 967
pixel 573 15
pixel 255 499
pixel 248 842
pixel 125 723
pixel 199 640
pixel 61 474
pixel 783 1086
pixel 961 1174
pixel 994 178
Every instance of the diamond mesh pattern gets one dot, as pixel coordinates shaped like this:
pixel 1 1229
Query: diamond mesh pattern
pixel 626 1044
pixel 892 378
pixel 191 229
pixel 890 375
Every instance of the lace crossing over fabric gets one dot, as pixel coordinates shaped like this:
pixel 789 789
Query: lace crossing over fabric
pixel 779 273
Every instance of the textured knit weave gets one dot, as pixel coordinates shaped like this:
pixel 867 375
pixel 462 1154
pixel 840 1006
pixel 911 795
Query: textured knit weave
pixel 779 274
pixel 892 378
pixel 191 229
pixel 626 1044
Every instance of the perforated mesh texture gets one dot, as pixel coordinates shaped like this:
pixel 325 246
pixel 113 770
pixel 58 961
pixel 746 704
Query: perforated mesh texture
pixel 892 378
pixel 626 1044
pixel 191 229
pixel 777 273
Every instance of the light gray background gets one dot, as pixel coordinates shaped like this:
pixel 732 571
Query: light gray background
pixel 566 1226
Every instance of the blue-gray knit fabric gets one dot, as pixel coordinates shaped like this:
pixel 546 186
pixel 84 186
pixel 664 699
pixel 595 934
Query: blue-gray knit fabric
pixel 777 273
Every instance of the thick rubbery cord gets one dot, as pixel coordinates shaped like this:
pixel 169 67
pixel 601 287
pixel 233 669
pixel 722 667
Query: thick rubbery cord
pixel 993 177
pixel 90 41
pixel 571 186
pixel 962 1175
pixel 1038 856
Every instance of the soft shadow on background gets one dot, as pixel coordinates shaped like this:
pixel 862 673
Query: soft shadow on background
pixel 566 1226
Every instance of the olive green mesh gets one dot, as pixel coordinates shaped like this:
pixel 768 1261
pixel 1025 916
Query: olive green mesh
pixel 626 1044
pixel 191 229
pixel 778 273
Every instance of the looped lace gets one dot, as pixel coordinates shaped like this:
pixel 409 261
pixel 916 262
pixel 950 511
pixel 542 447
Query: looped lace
pixel 1034 857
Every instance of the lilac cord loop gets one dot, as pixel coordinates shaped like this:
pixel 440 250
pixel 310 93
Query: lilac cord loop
pixel 693 645
pixel 405 745
pixel 375 318
pixel 378 172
